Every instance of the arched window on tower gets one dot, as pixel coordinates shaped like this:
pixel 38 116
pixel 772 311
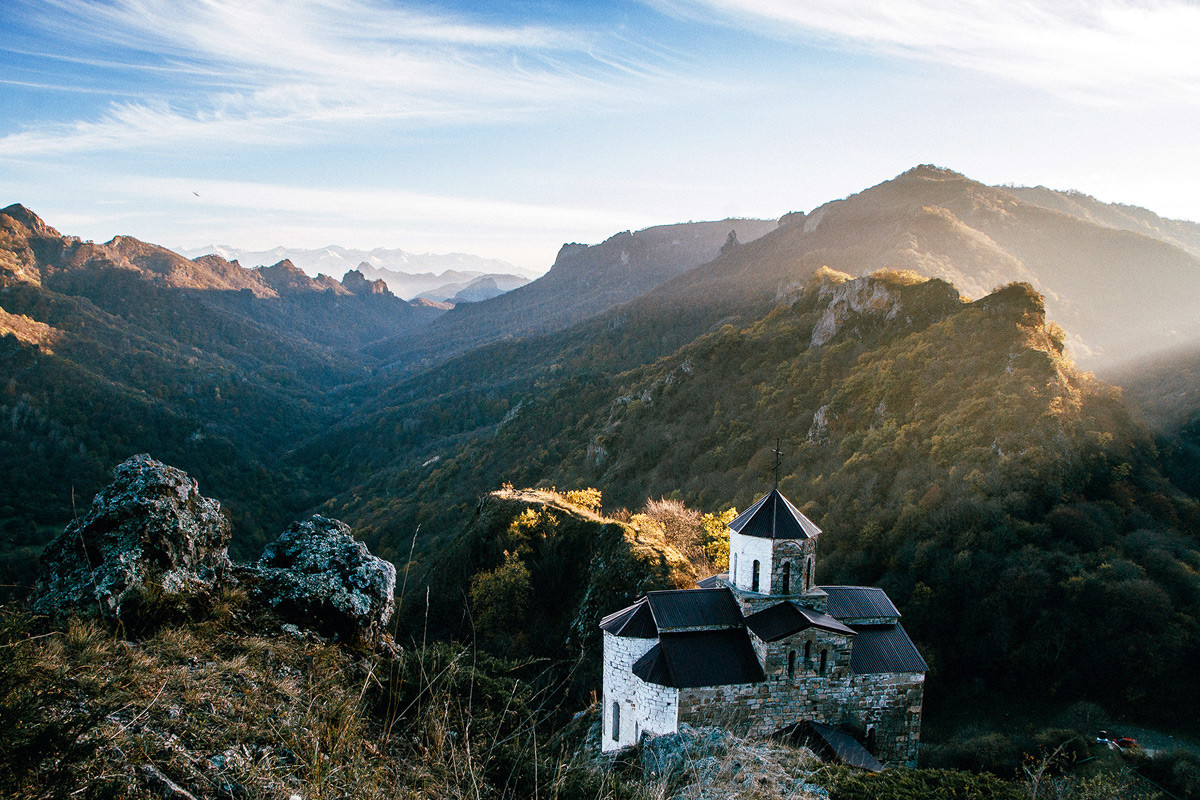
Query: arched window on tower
pixel 808 582
pixel 754 577
pixel 733 571
pixel 787 578
pixel 824 657
pixel 791 663
pixel 808 654
pixel 616 722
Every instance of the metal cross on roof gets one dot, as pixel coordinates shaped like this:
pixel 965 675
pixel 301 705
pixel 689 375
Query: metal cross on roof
pixel 777 453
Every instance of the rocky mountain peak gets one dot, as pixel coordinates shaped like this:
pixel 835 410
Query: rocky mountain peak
pixel 931 172
pixel 354 281
pixel 285 276
pixel 21 214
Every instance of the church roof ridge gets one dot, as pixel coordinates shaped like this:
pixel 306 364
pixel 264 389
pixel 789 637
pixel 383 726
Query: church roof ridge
pixel 773 516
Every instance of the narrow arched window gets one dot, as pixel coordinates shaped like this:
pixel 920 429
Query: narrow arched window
pixel 809 580
pixel 824 656
pixel 754 577
pixel 733 572
pixel 791 663
pixel 808 654
pixel 616 722
pixel 787 577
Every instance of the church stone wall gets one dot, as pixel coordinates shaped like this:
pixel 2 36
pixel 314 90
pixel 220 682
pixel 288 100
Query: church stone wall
pixel 795 552
pixel 621 686
pixel 656 709
pixel 749 549
pixel 883 710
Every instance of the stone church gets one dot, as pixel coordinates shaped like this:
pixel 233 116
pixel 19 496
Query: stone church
pixel 763 648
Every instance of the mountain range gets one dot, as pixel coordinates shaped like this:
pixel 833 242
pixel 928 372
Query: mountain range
pixel 912 347
pixel 406 274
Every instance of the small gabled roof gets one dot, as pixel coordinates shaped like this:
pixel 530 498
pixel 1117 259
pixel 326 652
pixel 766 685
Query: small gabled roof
pixel 774 517
pixel 694 608
pixel 831 744
pixel 713 581
pixel 700 658
pixel 784 619
pixel 634 621
pixel 884 648
pixel 859 602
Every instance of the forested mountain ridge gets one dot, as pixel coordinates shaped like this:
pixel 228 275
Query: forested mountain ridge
pixel 953 454
pixel 1121 291
pixel 1121 280
pixel 125 347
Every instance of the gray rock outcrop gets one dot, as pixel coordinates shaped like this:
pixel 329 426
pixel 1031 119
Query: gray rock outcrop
pixel 152 547
pixel 149 538
pixel 318 575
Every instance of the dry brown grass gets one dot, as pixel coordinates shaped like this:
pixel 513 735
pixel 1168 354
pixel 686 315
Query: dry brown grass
pixel 217 713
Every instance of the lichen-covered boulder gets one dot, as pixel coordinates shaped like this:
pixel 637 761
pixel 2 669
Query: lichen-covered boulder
pixel 150 539
pixel 320 577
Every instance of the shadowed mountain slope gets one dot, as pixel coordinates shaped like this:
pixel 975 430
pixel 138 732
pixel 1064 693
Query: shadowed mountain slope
pixel 126 347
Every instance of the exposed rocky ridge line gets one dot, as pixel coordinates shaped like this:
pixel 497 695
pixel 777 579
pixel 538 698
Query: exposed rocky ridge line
pixel 878 295
pixel 152 542
pixel 43 254
pixel 407 274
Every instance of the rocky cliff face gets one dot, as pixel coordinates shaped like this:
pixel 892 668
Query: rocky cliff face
pixel 883 297
pixel 355 282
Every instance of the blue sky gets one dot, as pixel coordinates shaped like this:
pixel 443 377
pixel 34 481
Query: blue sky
pixel 506 129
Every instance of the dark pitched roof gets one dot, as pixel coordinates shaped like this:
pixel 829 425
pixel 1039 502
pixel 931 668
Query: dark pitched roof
pixel 774 517
pixel 859 602
pixel 884 648
pixel 784 619
pixel 831 744
pixel 700 658
pixel 694 608
pixel 713 581
pixel 635 621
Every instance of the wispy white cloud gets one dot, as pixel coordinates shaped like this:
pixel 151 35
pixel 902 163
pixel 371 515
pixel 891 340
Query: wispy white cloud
pixel 235 68
pixel 396 205
pixel 260 214
pixel 1086 50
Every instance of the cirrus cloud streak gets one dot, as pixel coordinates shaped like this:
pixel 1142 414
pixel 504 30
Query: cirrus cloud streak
pixel 1093 51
